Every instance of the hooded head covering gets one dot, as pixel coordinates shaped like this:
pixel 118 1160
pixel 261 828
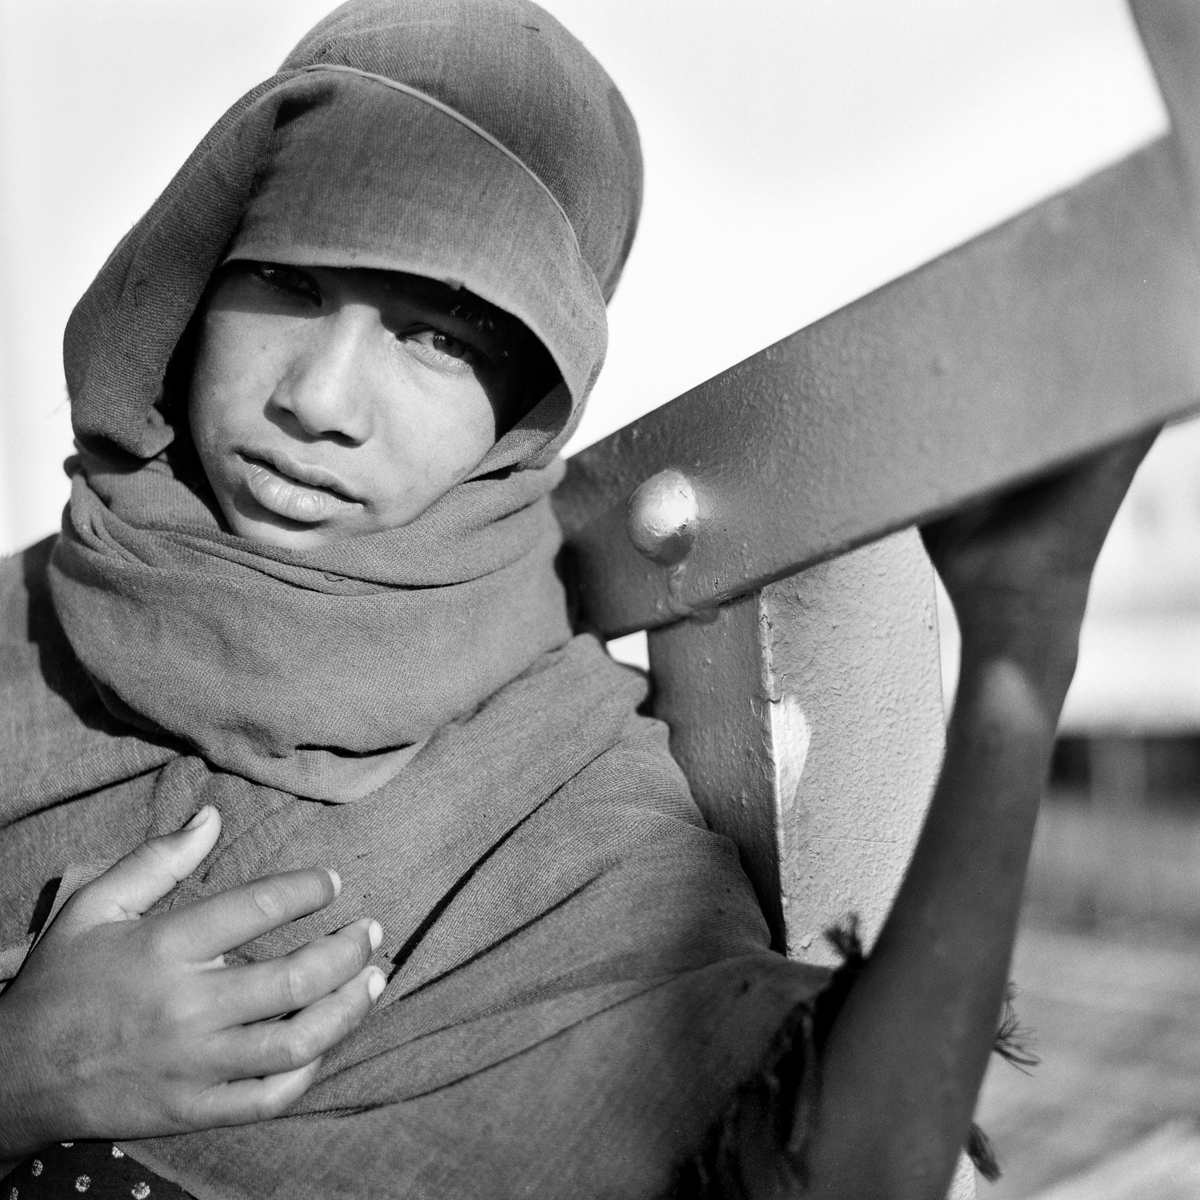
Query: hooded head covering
pixel 474 143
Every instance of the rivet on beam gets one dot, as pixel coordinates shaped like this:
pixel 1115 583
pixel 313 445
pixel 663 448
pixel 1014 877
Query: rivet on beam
pixel 663 514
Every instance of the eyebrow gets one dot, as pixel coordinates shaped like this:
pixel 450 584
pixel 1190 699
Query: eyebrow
pixel 482 315
pixel 510 334
pixel 432 294
pixel 517 345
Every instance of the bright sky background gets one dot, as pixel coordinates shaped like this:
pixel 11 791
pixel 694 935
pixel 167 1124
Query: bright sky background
pixel 799 153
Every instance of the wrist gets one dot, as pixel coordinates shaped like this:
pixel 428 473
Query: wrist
pixel 1042 649
pixel 1010 700
pixel 23 1128
pixel 18 1136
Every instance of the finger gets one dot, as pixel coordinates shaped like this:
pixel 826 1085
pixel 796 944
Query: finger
pixel 245 1101
pixel 1103 474
pixel 293 981
pixel 1093 489
pixel 1112 470
pixel 204 930
pixel 1094 484
pixel 276 1047
pixel 135 882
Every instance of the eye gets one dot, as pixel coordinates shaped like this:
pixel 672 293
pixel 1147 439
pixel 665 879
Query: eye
pixel 290 281
pixel 436 347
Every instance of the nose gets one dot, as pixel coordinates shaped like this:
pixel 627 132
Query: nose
pixel 325 390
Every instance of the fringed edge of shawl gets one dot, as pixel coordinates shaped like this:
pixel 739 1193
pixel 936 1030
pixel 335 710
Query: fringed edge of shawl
pixel 1012 1045
pixel 770 1121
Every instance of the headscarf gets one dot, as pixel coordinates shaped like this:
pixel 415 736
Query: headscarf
pixel 579 975
pixel 502 160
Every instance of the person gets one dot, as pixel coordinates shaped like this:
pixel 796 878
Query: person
pixel 333 862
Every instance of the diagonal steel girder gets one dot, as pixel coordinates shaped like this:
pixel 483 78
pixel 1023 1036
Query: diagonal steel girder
pixel 1062 330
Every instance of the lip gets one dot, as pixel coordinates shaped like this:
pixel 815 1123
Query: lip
pixel 306 473
pixel 301 492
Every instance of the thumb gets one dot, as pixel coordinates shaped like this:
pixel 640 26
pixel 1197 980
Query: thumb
pixel 132 884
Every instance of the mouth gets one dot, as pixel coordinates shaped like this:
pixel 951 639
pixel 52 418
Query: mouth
pixel 300 492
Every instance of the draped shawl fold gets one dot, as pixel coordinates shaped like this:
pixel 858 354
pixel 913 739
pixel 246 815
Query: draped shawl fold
pixel 579 979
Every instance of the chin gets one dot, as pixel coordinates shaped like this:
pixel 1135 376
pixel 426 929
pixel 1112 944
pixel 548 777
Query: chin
pixel 277 531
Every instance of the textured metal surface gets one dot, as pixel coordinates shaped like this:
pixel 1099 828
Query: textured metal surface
pixel 1062 330
pixel 808 720
pixel 1066 328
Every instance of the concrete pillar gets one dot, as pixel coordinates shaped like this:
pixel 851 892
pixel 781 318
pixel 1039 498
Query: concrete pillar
pixel 808 718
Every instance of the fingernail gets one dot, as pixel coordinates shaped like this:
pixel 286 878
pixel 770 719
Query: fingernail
pixel 200 818
pixel 375 933
pixel 375 984
pixel 336 880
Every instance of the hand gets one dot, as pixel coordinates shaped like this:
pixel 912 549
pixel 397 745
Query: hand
pixel 121 1025
pixel 1017 567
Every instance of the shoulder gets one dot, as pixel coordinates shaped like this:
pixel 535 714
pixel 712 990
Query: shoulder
pixel 584 697
pixel 25 595
pixel 49 709
pixel 35 655
pixel 52 719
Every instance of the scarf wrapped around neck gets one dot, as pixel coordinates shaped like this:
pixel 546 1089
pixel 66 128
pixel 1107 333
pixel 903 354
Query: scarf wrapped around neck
pixel 579 978
pixel 319 673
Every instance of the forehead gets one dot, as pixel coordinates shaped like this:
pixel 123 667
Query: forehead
pixel 415 294
pixel 435 295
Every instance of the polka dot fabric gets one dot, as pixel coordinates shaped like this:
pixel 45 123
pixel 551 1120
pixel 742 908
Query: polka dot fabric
pixel 98 1170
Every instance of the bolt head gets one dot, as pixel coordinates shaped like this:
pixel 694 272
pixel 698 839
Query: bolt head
pixel 663 515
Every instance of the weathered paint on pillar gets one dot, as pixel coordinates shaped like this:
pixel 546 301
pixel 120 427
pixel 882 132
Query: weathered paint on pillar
pixel 857 723
pixel 808 719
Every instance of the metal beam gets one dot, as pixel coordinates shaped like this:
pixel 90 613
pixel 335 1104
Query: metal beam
pixel 1068 327
pixel 1170 31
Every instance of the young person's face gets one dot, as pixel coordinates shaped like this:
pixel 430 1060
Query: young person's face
pixel 328 403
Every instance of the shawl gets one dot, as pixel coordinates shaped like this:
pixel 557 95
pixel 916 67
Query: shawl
pixel 580 991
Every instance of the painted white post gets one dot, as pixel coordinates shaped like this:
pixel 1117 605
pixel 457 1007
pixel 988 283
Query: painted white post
pixel 808 718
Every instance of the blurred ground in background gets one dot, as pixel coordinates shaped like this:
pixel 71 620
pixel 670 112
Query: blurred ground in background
pixel 1108 972
pixel 1111 1112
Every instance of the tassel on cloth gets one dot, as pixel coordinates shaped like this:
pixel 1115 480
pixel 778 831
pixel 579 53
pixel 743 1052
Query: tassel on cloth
pixel 1012 1038
pixel 773 1115
pixel 982 1155
pixel 1011 1044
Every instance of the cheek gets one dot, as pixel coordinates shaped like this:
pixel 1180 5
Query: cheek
pixel 205 408
pixel 230 376
pixel 474 427
pixel 439 432
pixel 466 431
